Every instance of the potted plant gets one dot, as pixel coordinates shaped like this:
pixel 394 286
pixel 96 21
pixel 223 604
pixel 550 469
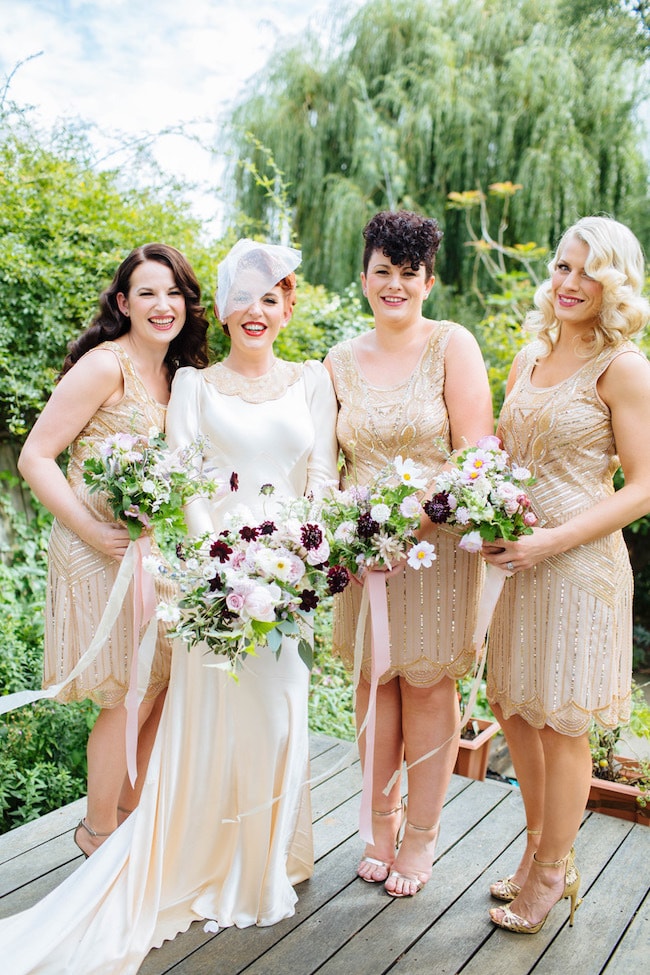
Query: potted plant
pixel 621 785
pixel 476 736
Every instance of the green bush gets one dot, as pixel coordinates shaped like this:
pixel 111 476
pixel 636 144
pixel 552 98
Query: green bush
pixel 43 746
pixel 331 693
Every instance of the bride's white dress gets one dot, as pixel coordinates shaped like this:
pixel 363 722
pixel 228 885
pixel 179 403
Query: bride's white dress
pixel 207 840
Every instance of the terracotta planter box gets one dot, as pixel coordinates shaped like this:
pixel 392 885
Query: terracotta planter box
pixel 618 799
pixel 473 753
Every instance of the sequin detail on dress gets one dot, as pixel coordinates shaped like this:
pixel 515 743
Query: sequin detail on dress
pixel 561 638
pixel 80 578
pixel 432 612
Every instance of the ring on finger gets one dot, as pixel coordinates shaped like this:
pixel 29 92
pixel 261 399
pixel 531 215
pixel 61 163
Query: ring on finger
pixel 510 567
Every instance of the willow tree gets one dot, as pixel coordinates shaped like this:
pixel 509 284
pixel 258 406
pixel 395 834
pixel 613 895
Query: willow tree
pixel 410 100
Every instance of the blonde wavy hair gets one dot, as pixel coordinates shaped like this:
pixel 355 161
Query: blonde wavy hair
pixel 615 259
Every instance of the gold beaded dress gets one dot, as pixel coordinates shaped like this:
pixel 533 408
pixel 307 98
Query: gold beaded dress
pixel 80 578
pixel 560 644
pixel 223 829
pixel 431 611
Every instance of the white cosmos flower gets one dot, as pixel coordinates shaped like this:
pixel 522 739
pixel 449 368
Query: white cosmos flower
pixel 422 555
pixel 410 473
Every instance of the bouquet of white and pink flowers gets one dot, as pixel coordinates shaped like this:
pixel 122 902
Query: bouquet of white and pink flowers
pixel 147 484
pixel 483 495
pixel 374 526
pixel 252 584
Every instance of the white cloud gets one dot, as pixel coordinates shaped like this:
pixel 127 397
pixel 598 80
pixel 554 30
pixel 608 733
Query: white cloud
pixel 135 68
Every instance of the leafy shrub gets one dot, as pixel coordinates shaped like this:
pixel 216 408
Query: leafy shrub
pixel 43 746
pixel 331 709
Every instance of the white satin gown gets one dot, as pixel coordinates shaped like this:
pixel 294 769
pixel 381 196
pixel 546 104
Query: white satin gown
pixel 223 829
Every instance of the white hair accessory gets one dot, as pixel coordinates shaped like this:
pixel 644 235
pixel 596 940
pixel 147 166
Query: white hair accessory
pixel 249 270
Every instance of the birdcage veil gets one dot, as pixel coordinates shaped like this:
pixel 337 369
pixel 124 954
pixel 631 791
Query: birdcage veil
pixel 249 270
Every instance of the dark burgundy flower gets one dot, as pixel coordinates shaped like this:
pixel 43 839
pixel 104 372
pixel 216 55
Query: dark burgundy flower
pixel 220 550
pixel 438 508
pixel 312 536
pixel 248 534
pixel 216 584
pixel 308 600
pixel 337 578
pixel 234 481
pixel 267 528
pixel 366 525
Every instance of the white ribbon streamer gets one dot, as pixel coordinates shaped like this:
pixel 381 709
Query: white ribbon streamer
pixel 9 702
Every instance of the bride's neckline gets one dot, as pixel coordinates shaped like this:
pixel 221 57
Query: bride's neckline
pixel 224 363
pixel 255 389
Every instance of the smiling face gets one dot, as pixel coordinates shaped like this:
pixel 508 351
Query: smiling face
pixel 155 304
pixel 255 329
pixel 577 297
pixel 395 292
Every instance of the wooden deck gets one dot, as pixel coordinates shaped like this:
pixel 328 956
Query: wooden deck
pixel 343 926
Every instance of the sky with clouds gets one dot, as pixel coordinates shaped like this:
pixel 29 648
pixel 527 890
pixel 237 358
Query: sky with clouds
pixel 139 66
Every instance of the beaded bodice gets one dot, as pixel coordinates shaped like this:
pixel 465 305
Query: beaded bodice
pixel 376 423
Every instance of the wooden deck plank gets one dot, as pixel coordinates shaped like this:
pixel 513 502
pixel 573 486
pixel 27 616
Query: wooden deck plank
pixel 609 901
pixel 633 950
pixel 343 926
pixel 520 954
pixel 387 941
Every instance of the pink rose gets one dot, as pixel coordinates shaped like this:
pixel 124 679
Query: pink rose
pixel 234 601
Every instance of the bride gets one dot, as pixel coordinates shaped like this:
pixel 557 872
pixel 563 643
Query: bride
pixel 223 829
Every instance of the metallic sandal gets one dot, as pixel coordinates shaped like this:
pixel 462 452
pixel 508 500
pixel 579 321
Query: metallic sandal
pixel 506 889
pixel 382 863
pixel 415 879
pixel 84 825
pixel 510 921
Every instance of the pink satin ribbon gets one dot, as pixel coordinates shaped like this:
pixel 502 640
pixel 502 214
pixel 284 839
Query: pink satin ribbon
pixel 374 584
pixel 144 607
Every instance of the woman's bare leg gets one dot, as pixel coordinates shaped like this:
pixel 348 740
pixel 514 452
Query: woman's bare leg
pixel 429 721
pixel 388 758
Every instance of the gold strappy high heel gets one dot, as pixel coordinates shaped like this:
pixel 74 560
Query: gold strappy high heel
pixel 420 877
pixel 382 863
pixel 520 925
pixel 506 889
pixel 84 825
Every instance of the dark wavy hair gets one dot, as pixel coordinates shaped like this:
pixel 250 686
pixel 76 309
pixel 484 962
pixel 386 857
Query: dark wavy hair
pixel 404 237
pixel 189 348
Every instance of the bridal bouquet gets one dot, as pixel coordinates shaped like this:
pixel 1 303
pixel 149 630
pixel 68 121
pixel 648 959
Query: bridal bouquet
pixel 147 484
pixel 483 495
pixel 251 585
pixel 374 526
